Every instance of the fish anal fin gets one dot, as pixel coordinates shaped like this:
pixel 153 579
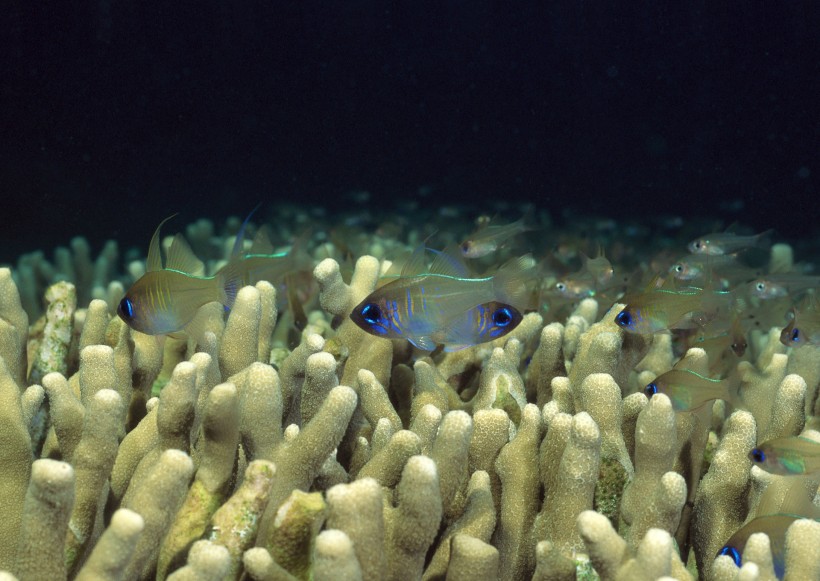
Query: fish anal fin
pixel 423 342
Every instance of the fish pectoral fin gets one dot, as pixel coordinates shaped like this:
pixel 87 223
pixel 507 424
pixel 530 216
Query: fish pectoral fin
pixel 423 342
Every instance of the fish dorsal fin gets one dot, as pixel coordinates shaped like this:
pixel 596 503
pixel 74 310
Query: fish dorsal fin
pixel 154 261
pixel 240 236
pixel 415 264
pixel 795 500
pixel 447 263
pixel 180 257
pixel 261 242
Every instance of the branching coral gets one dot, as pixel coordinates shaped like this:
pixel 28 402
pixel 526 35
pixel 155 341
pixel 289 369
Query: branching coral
pixel 332 454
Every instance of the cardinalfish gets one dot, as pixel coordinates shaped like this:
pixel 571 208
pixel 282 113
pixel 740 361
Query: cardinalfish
pixel 776 286
pixel 442 305
pixel 788 456
pixel 774 517
pixel 804 327
pixel 720 243
pixel 664 307
pixel 167 297
pixel 489 238
pixel 689 391
pixel 595 275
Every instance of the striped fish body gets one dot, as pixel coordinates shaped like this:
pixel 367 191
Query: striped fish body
pixel 435 309
pixel 164 301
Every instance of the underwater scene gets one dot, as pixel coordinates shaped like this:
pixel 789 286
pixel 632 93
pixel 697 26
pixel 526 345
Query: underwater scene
pixel 395 291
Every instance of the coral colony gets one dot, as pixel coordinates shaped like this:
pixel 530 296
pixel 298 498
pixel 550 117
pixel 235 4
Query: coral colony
pixel 507 402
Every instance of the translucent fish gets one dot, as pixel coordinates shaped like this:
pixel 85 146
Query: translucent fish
pixel 443 306
pixel 688 390
pixel 803 329
pixel 788 456
pixel 595 274
pixel 776 286
pixel 490 238
pixel 697 266
pixel 659 309
pixel 774 517
pixel 775 526
pixel 727 243
pixel 166 299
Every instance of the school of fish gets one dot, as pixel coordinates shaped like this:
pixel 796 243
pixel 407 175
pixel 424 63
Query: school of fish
pixel 711 294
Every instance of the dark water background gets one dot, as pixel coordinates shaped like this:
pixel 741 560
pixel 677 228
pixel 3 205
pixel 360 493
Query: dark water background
pixel 116 114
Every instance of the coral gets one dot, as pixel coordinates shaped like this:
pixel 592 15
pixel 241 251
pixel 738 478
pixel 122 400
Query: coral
pixel 252 449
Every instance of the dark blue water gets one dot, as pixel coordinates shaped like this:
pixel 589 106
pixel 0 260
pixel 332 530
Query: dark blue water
pixel 117 114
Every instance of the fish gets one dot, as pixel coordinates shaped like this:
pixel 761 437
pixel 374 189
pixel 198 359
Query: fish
pixel 660 308
pixel 595 274
pixel 774 515
pixel 775 526
pixel 720 243
pixel 442 305
pixel 803 329
pixel 698 266
pixel 787 456
pixel 489 238
pixel 688 390
pixel 165 300
pixel 777 286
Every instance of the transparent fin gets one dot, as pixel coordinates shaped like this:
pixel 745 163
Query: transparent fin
pixel 180 257
pixel 154 261
pixel 423 342
pixel 447 263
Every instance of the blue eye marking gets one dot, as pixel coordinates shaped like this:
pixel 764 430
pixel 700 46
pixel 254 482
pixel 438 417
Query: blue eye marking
pixel 796 335
pixel 502 317
pixel 624 319
pixel 371 313
pixel 758 455
pixel 127 308
pixel 731 552
pixel 651 389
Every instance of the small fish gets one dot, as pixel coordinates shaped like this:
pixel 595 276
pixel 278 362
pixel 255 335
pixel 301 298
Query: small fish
pixel 777 286
pixel 720 243
pixel 662 308
pixel 775 513
pixel 489 238
pixel 788 456
pixel 595 274
pixel 166 299
pixel 697 266
pixel 688 391
pixel 442 305
pixel 803 329
pixel 775 526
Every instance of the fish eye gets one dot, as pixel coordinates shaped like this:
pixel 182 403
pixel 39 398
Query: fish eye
pixel 560 286
pixel 760 286
pixel 502 317
pixel 758 456
pixel 371 313
pixel 624 319
pixel 650 389
pixel 678 268
pixel 698 244
pixel 126 308
pixel 796 335
pixel 465 247
pixel 730 551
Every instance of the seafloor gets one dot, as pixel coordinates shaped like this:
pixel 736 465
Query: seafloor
pixel 280 440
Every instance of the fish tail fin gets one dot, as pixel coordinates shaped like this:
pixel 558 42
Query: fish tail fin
pixel 230 279
pixel 514 281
